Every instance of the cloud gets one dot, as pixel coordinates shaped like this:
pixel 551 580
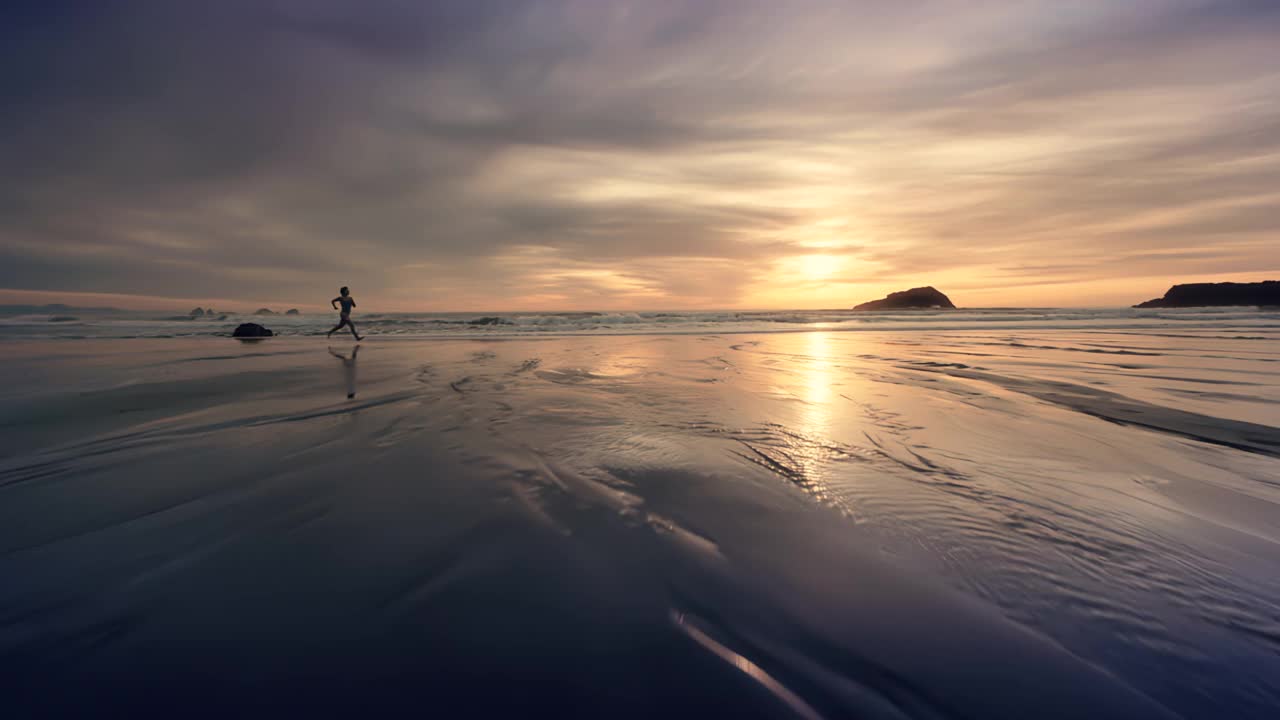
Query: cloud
pixel 580 153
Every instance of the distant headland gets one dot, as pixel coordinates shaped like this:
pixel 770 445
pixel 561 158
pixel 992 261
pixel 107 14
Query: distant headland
pixel 921 298
pixel 1224 294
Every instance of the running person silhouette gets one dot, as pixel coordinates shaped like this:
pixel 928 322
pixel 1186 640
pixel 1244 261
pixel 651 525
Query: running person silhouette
pixel 347 303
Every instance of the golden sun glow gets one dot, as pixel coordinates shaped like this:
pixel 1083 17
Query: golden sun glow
pixel 818 267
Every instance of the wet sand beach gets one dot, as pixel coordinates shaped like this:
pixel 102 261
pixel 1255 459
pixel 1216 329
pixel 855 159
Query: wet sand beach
pixel 978 523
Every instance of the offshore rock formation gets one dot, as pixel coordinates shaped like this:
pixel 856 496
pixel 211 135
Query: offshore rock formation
pixel 921 298
pixel 252 331
pixel 293 311
pixel 1262 294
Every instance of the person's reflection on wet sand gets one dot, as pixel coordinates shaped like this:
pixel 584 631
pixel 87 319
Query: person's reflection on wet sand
pixel 348 368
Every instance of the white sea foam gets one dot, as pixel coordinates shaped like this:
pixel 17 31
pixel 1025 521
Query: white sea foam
pixel 136 324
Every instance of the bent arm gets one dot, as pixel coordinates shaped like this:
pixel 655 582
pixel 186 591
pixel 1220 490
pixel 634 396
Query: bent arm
pixel 334 303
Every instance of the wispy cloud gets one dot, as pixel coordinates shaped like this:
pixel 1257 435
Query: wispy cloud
pixel 582 153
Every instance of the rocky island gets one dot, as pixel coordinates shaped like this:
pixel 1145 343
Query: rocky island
pixel 1224 294
pixel 921 298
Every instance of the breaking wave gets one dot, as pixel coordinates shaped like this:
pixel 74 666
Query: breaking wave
pixel 1233 323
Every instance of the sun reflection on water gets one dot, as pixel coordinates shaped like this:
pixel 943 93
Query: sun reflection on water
pixel 810 444
pixel 818 378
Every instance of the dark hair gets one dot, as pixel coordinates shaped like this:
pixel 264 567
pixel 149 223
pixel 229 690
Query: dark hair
pixel 344 290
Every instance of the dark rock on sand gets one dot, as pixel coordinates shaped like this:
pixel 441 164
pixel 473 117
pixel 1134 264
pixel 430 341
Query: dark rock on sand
pixel 63 318
pixel 488 321
pixel 251 330
pixel 293 311
pixel 198 312
pixel 921 298
pixel 263 311
pixel 1225 294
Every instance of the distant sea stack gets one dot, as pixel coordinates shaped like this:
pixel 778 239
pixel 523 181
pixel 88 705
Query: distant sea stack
pixel 263 311
pixel 1225 294
pixel 921 298
pixel 293 311
pixel 198 312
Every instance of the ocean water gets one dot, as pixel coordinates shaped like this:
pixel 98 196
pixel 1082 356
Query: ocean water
pixel 993 514
pixel 70 323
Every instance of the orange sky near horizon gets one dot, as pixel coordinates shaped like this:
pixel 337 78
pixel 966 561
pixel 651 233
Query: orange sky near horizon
pixel 1102 294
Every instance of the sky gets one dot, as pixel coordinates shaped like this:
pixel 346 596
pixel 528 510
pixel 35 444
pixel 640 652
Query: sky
pixel 655 154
